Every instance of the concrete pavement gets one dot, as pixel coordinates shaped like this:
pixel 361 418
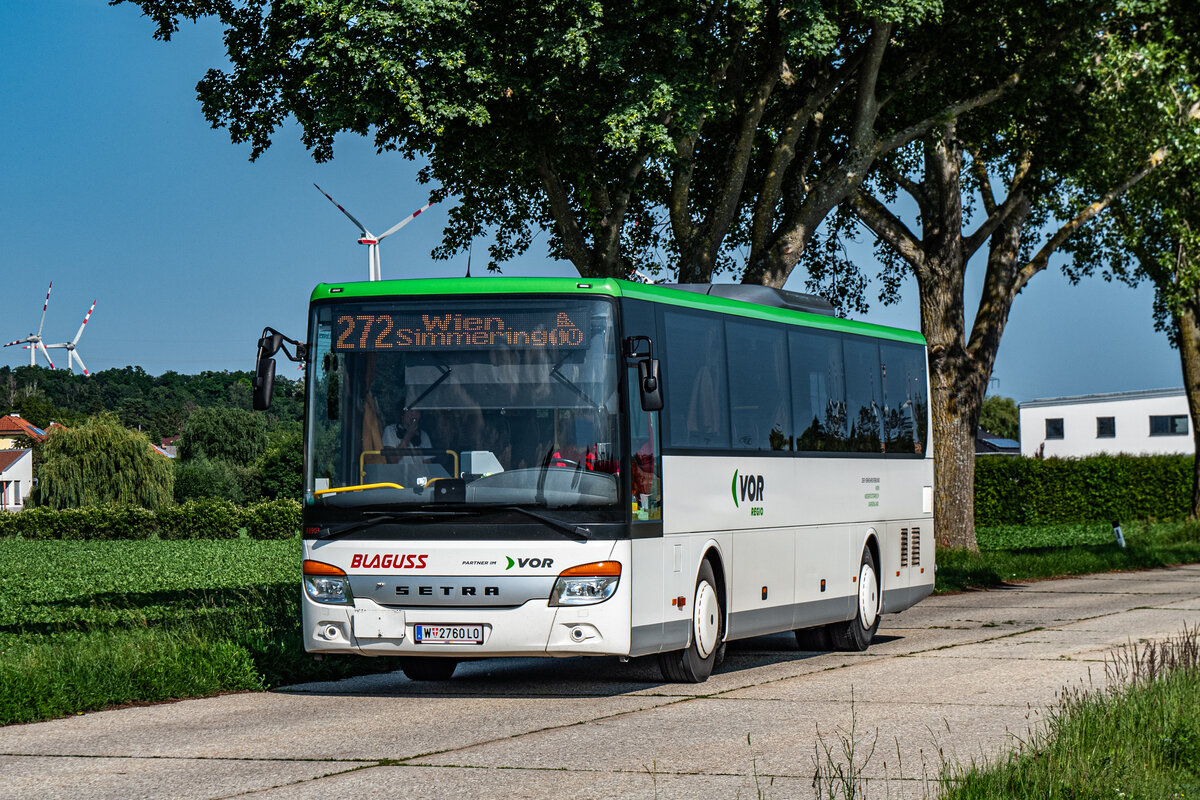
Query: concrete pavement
pixel 954 678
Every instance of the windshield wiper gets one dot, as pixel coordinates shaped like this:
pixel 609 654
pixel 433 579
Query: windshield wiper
pixel 374 518
pixel 576 532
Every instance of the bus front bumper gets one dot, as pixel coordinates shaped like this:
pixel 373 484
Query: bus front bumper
pixel 532 629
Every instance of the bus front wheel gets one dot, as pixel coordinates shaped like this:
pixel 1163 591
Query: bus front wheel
pixel 858 632
pixel 695 663
pixel 424 668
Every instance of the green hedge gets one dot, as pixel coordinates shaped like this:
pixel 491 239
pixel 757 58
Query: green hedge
pixel 207 518
pixel 1033 491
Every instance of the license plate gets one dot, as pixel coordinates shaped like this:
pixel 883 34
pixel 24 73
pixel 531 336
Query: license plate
pixel 448 634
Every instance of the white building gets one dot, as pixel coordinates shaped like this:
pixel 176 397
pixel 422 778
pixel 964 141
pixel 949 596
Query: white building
pixel 1135 423
pixel 16 478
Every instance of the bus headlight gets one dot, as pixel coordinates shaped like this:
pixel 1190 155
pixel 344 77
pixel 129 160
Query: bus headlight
pixel 586 584
pixel 325 583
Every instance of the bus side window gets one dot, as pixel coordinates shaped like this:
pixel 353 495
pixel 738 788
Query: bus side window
pixel 645 458
pixel 697 381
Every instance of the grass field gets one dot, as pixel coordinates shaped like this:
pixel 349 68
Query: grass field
pixel 85 625
pixel 90 624
pixel 1016 553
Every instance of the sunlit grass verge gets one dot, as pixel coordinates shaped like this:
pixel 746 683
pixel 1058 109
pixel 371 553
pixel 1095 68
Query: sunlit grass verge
pixel 87 625
pixel 1139 737
pixel 1005 554
pixel 74 672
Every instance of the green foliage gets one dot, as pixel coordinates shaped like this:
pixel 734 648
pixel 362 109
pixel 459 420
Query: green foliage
pixel 98 462
pixel 273 519
pixel 157 405
pixel 206 518
pixel 223 434
pixel 280 470
pixel 91 624
pixel 70 674
pixel 1000 416
pixel 201 477
pixel 1031 491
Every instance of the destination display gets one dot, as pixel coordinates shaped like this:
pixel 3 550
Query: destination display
pixel 358 333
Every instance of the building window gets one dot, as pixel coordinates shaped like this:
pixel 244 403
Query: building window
pixel 1173 425
pixel 1106 427
pixel 1054 428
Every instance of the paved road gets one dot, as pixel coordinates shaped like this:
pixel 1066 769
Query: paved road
pixel 954 677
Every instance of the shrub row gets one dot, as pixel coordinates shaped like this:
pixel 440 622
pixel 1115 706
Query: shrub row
pixel 208 518
pixel 1033 491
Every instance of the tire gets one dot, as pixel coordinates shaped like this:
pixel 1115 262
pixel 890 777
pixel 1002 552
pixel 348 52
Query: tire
pixel 424 668
pixel 816 639
pixel 695 663
pixel 856 634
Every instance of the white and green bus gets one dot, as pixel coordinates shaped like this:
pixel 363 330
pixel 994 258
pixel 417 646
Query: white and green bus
pixel 564 467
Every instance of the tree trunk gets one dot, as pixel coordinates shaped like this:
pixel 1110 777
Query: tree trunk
pixel 1188 323
pixel 954 484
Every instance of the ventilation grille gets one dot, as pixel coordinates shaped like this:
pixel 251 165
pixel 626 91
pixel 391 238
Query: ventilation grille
pixel 904 547
pixel 914 543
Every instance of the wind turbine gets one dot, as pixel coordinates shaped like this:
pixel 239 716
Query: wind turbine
pixel 371 240
pixel 33 342
pixel 72 355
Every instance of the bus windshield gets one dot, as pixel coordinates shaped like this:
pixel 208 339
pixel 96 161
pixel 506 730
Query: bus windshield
pixel 463 401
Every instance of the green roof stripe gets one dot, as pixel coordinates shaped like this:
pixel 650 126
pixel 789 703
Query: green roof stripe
pixel 610 287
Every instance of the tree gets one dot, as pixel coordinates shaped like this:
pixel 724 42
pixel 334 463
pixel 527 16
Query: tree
pixel 100 461
pixel 1052 144
pixel 1000 416
pixel 281 467
pixel 223 434
pixel 631 130
pixel 1154 235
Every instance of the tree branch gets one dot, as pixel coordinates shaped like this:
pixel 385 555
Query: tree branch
pixel 574 244
pixel 888 227
pixel 1039 261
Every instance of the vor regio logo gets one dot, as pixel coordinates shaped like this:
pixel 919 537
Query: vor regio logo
pixel 748 489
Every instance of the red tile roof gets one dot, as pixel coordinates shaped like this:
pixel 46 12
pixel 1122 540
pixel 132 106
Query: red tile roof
pixel 11 423
pixel 10 457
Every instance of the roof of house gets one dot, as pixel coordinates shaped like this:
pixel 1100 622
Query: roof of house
pixel 988 442
pixel 1143 394
pixel 12 423
pixel 10 457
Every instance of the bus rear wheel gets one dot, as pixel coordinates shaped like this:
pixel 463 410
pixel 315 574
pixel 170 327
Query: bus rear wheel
pixel 695 663
pixel 424 668
pixel 856 634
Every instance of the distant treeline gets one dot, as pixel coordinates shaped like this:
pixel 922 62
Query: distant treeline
pixel 157 405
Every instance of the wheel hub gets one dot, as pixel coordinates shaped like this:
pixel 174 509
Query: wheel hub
pixel 868 596
pixel 706 619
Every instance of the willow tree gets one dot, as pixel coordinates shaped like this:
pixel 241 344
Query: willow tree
pixel 99 462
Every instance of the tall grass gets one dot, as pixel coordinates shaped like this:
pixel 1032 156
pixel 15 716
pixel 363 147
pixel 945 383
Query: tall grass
pixel 85 625
pixel 1136 737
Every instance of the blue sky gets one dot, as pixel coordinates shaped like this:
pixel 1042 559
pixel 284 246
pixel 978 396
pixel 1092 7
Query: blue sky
pixel 116 188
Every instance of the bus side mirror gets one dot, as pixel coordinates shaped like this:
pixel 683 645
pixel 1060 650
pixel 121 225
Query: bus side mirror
pixel 650 384
pixel 264 383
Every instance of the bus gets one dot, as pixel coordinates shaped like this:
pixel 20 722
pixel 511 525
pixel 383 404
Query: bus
pixel 563 467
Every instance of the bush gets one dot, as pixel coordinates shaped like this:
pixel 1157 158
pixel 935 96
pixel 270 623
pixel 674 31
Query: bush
pixel 198 478
pixel 1032 491
pixel 272 519
pixel 37 523
pixel 207 518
